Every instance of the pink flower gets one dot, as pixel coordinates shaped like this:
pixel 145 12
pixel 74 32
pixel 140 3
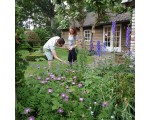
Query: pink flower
pixel 27 110
pixel 31 118
pixel 75 77
pixel 73 83
pixel 50 90
pixel 47 79
pixel 80 85
pixel 60 110
pixel 104 104
pixel 38 78
pixel 81 99
pixel 63 95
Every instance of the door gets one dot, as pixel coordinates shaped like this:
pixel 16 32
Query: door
pixel 113 43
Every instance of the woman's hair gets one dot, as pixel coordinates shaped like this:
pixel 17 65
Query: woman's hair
pixel 74 29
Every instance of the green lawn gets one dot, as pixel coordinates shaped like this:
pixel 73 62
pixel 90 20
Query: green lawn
pixel 33 65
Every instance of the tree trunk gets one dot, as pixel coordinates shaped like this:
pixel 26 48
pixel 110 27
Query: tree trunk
pixel 82 37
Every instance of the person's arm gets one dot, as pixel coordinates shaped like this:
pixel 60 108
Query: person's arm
pixel 55 55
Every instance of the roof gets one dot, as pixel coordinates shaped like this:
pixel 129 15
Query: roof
pixel 91 17
pixel 125 1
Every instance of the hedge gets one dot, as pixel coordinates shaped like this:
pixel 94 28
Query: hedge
pixel 36 58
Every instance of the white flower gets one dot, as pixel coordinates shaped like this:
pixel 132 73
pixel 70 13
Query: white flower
pixel 95 103
pixel 90 107
pixel 92 112
pixel 112 117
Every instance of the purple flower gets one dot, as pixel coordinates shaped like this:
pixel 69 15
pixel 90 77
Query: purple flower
pixel 39 78
pixel 60 110
pixel 73 83
pixel 65 99
pixel 31 118
pixel 113 27
pixel 128 37
pixel 80 99
pixel 47 79
pixel 50 90
pixel 104 104
pixel 63 95
pixel 80 85
pixel 27 110
pixel 98 48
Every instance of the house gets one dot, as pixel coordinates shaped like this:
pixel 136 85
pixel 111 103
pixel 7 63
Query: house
pixel 103 32
pixel 131 3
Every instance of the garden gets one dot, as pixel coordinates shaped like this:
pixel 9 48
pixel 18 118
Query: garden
pixel 96 87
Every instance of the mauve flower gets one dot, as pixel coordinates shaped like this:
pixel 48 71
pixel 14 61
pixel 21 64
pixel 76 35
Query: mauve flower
pixel 73 83
pixel 60 110
pixel 81 99
pixel 39 78
pixel 31 75
pixel 80 85
pixel 65 99
pixel 50 90
pixel 104 104
pixel 75 77
pixel 58 78
pixel 27 110
pixel 47 79
pixel 69 91
pixel 63 78
pixel 84 92
pixel 31 118
pixel 43 82
pixel 63 95
pixel 67 87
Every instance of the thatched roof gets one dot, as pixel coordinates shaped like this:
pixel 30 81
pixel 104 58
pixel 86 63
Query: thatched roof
pixel 91 17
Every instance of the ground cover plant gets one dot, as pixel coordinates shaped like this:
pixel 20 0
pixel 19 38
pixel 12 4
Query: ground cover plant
pixel 105 91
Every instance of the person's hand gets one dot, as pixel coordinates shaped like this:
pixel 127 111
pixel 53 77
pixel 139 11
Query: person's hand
pixel 70 48
pixel 64 62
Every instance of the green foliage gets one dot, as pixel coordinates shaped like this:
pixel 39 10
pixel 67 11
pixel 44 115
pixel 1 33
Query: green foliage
pixel 43 34
pixel 20 63
pixel 107 83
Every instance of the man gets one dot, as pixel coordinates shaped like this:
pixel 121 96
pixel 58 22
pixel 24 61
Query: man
pixel 49 49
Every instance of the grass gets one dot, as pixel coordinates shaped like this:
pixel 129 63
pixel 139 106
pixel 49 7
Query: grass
pixel 33 65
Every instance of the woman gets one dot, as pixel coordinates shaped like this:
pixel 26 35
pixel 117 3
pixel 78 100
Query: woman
pixel 72 44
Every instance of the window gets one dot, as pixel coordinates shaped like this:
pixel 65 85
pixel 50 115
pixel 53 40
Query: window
pixel 87 35
pixel 108 36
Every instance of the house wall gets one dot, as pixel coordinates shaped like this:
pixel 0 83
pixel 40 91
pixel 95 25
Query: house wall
pixel 98 35
pixel 132 46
